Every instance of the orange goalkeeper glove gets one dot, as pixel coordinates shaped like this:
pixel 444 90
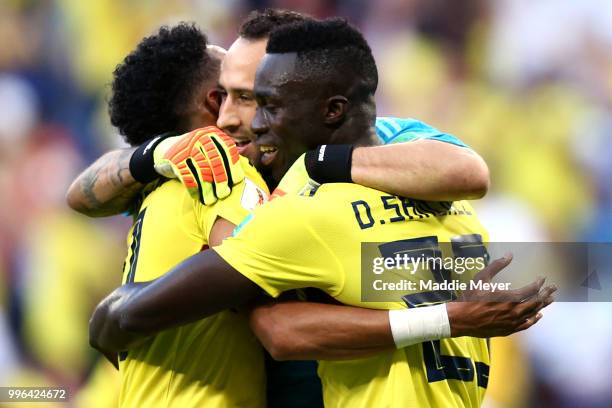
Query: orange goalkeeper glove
pixel 206 161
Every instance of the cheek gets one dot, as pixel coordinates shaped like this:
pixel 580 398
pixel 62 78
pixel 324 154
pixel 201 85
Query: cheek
pixel 282 123
pixel 247 113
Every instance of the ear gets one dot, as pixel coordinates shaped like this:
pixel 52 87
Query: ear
pixel 212 101
pixel 335 109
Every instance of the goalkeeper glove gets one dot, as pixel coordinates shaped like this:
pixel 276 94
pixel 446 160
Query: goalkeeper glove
pixel 206 161
pixel 330 163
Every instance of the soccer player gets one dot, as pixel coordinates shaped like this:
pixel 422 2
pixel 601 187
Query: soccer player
pixel 167 83
pixel 425 169
pixel 177 107
pixel 328 65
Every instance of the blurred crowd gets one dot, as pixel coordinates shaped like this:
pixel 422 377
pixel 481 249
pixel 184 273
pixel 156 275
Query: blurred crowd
pixel 526 84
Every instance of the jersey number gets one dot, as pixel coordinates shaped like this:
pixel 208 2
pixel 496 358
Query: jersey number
pixel 135 247
pixel 439 366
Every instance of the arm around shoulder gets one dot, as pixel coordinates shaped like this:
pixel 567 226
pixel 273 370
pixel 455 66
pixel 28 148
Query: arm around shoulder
pixel 424 169
pixel 106 187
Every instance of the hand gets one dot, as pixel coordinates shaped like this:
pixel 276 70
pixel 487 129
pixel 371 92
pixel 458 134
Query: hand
pixel 483 313
pixel 205 160
pixel 107 332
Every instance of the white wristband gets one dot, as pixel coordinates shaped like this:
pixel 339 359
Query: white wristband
pixel 412 326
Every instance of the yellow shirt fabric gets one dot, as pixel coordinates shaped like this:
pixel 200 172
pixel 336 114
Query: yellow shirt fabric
pixel 215 362
pixel 314 240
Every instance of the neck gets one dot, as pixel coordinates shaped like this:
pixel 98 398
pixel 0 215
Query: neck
pixel 357 131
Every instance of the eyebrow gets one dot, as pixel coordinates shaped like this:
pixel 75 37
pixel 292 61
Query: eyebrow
pixel 266 92
pixel 234 89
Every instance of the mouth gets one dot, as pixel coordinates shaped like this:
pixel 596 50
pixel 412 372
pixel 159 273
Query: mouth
pixel 242 142
pixel 243 147
pixel 239 139
pixel 268 153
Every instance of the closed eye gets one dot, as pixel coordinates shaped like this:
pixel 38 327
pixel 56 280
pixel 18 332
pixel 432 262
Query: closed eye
pixel 246 97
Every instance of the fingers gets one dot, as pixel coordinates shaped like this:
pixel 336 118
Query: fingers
pixel 230 155
pixel 209 194
pixel 205 164
pixel 547 297
pixel 544 298
pixel 232 149
pixel 493 268
pixel 530 321
pixel 222 170
pixel 548 291
pixel 528 291
pixel 204 159
pixel 192 180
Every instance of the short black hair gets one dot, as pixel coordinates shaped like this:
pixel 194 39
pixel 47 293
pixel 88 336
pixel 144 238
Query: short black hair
pixel 325 47
pixel 157 81
pixel 260 23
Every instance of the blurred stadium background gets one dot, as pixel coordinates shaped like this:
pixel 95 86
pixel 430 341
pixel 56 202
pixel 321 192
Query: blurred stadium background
pixel 528 84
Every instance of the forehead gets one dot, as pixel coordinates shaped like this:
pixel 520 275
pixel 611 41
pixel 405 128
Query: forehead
pixel 276 71
pixel 240 63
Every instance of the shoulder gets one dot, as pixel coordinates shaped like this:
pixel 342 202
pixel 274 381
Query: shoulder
pixel 397 130
pixel 168 192
pixel 387 128
pixel 245 196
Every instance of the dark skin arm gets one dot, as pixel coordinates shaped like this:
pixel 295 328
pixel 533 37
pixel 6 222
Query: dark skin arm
pixel 106 187
pixel 199 287
pixel 295 330
pixel 205 284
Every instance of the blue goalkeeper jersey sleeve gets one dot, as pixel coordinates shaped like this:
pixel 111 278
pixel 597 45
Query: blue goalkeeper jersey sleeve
pixel 396 130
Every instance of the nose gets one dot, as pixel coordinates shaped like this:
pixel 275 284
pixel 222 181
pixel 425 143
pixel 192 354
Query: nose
pixel 259 125
pixel 228 119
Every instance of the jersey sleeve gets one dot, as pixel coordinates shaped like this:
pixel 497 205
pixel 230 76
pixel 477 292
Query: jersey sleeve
pixel 277 250
pixel 396 130
pixel 245 197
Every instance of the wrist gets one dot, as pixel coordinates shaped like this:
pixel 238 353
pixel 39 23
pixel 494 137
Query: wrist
pixel 416 325
pixel 454 313
pixel 330 163
pixel 142 161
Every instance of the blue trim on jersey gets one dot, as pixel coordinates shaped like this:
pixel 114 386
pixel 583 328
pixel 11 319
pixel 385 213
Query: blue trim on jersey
pixel 397 130
pixel 240 226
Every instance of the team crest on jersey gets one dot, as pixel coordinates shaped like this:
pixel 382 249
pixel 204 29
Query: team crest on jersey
pixel 252 195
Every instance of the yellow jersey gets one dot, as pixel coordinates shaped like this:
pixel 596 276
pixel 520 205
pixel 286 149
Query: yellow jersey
pixel 295 181
pixel 322 233
pixel 217 361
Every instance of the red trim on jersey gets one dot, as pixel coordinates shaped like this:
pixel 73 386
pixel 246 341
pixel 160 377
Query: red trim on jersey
pixel 277 193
